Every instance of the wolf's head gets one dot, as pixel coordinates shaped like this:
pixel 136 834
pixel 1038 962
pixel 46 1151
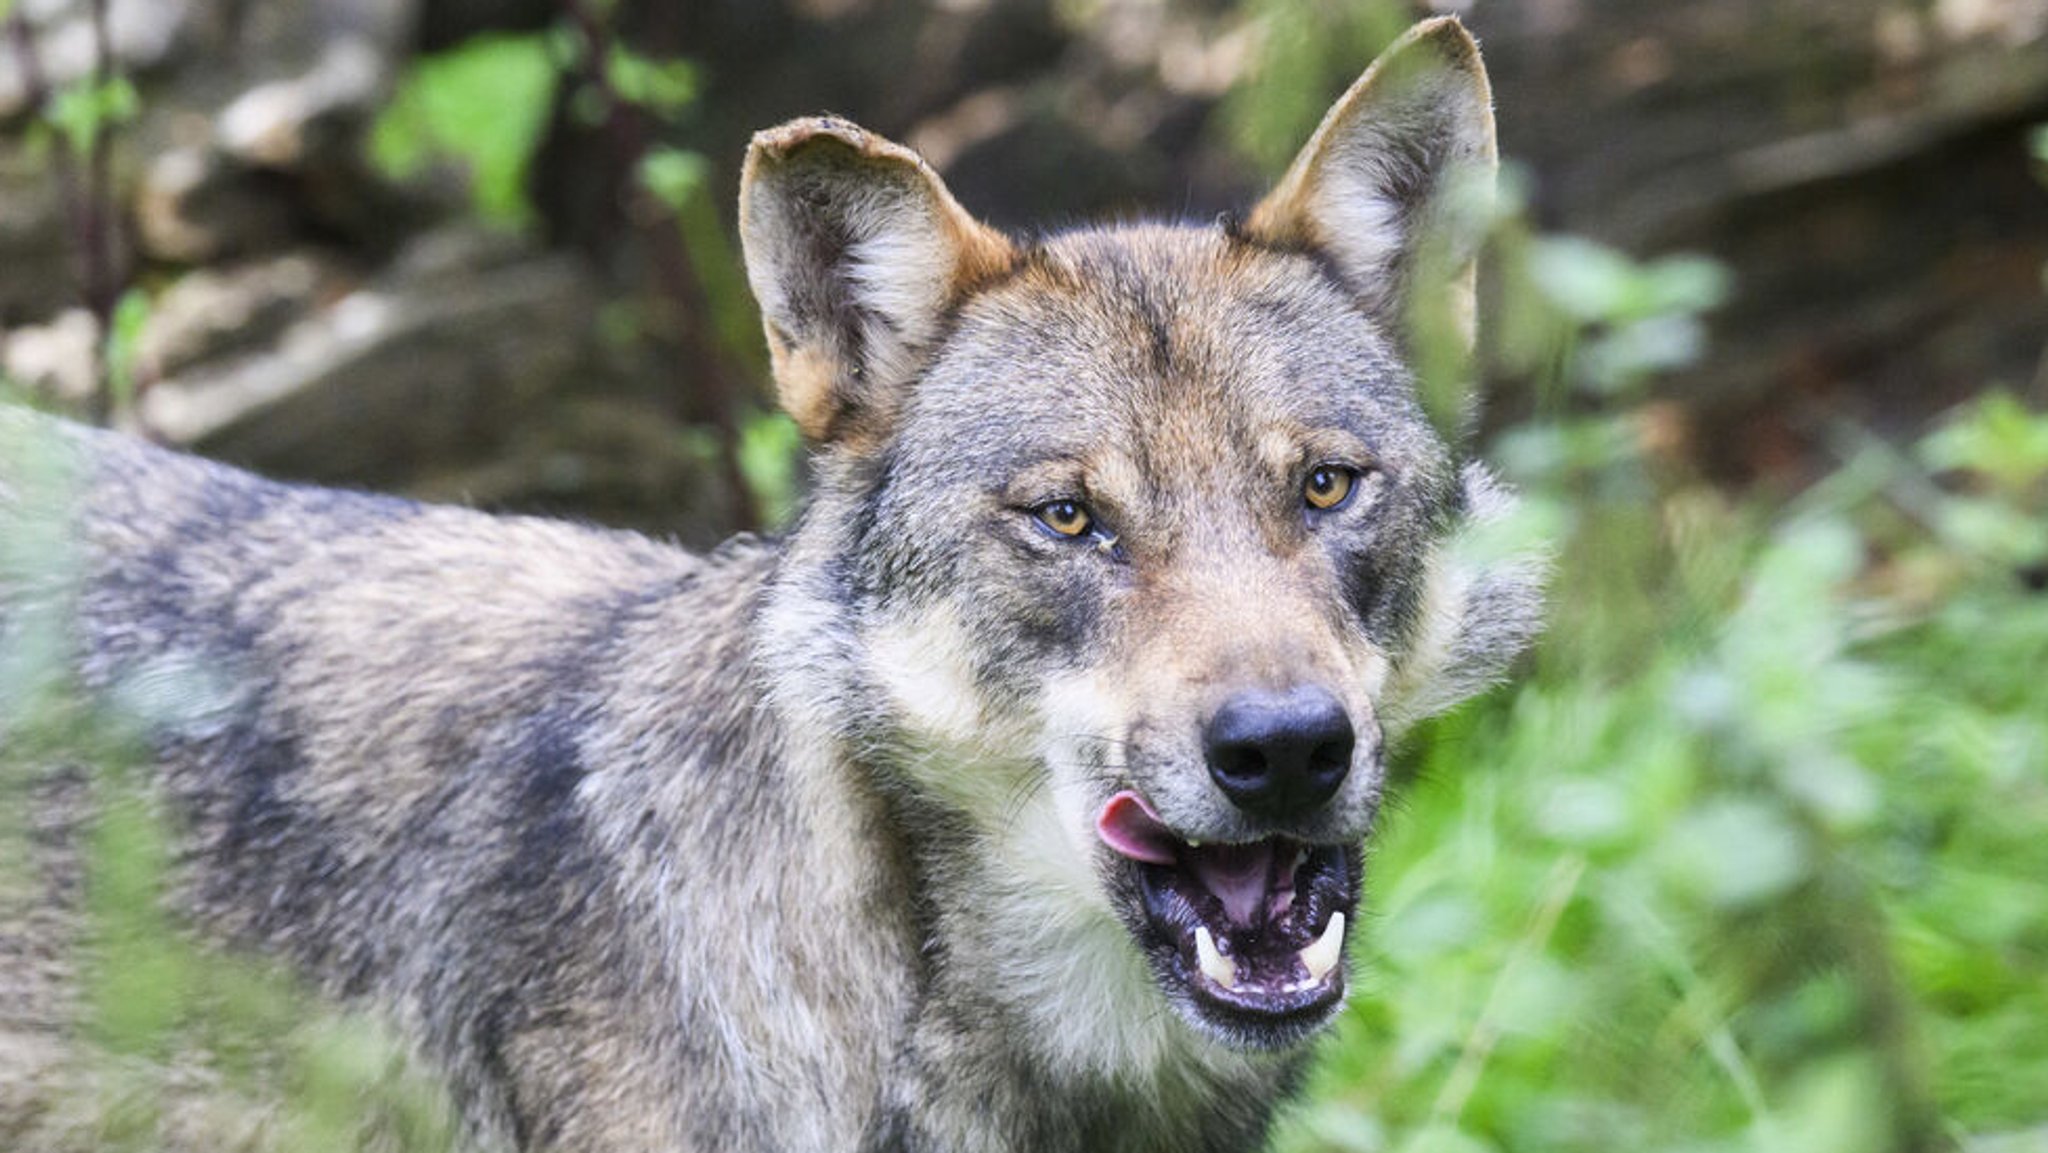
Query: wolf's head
pixel 1131 545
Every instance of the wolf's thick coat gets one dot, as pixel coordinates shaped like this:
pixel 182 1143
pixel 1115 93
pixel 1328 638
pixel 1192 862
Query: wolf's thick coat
pixel 791 846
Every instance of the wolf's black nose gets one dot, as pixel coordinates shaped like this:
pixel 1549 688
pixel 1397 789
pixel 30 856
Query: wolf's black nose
pixel 1279 754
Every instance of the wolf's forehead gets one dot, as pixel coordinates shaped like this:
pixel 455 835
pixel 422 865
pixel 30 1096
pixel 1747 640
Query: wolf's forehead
pixel 1161 335
pixel 1192 307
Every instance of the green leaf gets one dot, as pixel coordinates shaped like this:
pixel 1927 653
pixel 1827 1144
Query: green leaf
pixel 673 176
pixel 1589 281
pixel 131 313
pixel 1996 436
pixel 1737 852
pixel 663 87
pixel 483 105
pixel 770 453
pixel 1585 812
pixel 1595 283
pixel 82 110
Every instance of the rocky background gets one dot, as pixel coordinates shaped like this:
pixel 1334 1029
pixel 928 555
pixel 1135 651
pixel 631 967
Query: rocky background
pixel 271 294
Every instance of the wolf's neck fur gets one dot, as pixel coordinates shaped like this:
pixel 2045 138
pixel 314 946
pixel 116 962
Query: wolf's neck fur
pixel 1030 1022
pixel 1036 1029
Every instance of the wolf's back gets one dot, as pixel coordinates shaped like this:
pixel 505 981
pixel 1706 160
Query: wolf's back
pixel 384 733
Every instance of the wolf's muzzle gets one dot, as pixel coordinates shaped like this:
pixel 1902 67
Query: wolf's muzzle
pixel 1280 755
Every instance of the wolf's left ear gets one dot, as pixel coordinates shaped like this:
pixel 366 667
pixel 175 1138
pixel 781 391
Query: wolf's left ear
pixel 855 250
pixel 1374 188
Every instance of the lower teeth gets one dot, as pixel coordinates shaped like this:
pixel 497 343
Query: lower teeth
pixel 1319 959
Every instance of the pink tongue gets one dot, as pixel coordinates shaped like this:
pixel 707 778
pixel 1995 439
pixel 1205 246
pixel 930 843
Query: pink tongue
pixel 1128 825
pixel 1237 874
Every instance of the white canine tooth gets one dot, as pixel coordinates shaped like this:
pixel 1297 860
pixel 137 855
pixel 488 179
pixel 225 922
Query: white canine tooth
pixel 1321 957
pixel 1215 965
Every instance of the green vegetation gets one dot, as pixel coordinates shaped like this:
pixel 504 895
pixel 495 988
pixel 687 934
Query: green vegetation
pixel 1753 859
pixel 483 105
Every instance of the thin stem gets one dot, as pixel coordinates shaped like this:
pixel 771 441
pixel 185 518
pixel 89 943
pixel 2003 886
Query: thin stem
pixel 1696 1011
pixel 677 277
pixel 1558 892
pixel 87 200
pixel 101 280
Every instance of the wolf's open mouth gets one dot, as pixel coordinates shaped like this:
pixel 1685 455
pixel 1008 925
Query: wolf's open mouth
pixel 1255 932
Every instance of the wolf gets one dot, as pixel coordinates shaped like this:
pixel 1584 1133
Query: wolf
pixel 1016 799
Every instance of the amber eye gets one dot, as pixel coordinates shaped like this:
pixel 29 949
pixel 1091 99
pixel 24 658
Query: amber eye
pixel 1064 517
pixel 1328 486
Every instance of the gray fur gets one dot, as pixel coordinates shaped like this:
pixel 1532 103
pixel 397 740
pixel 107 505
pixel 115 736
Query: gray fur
pixel 788 847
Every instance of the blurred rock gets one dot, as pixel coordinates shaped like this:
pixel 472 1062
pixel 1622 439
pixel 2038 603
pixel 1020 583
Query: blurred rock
pixel 301 122
pixel 1859 164
pixel 1862 167
pixel 307 318
pixel 394 376
pixel 58 360
pixel 213 313
pixel 194 207
pixel 259 41
pixel 466 369
pixel 450 257
pixel 36 276
pixel 615 457
pixel 251 124
pixel 142 34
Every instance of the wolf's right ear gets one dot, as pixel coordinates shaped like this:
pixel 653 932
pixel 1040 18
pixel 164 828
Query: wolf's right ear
pixel 855 250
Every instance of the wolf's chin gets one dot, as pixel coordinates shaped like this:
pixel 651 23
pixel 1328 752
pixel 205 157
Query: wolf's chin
pixel 1247 938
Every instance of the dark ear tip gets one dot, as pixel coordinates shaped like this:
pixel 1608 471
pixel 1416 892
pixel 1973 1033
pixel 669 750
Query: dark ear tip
pixel 791 135
pixel 825 133
pixel 1446 35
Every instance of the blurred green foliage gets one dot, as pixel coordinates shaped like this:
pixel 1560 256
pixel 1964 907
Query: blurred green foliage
pixel 80 112
pixel 481 104
pixel 665 87
pixel 1307 51
pixel 1754 859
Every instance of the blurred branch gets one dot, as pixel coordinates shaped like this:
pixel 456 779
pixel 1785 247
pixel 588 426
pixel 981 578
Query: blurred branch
pixel 87 197
pixel 627 134
pixel 1558 891
pixel 100 279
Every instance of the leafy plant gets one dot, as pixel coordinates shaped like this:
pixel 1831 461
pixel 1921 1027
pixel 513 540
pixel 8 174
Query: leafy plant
pixel 1752 859
pixel 482 104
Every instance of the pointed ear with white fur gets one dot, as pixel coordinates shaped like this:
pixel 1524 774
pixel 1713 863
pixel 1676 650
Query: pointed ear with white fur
pixel 855 251
pixel 1385 186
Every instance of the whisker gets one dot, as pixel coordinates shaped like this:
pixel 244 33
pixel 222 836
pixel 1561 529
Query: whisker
pixel 1027 790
